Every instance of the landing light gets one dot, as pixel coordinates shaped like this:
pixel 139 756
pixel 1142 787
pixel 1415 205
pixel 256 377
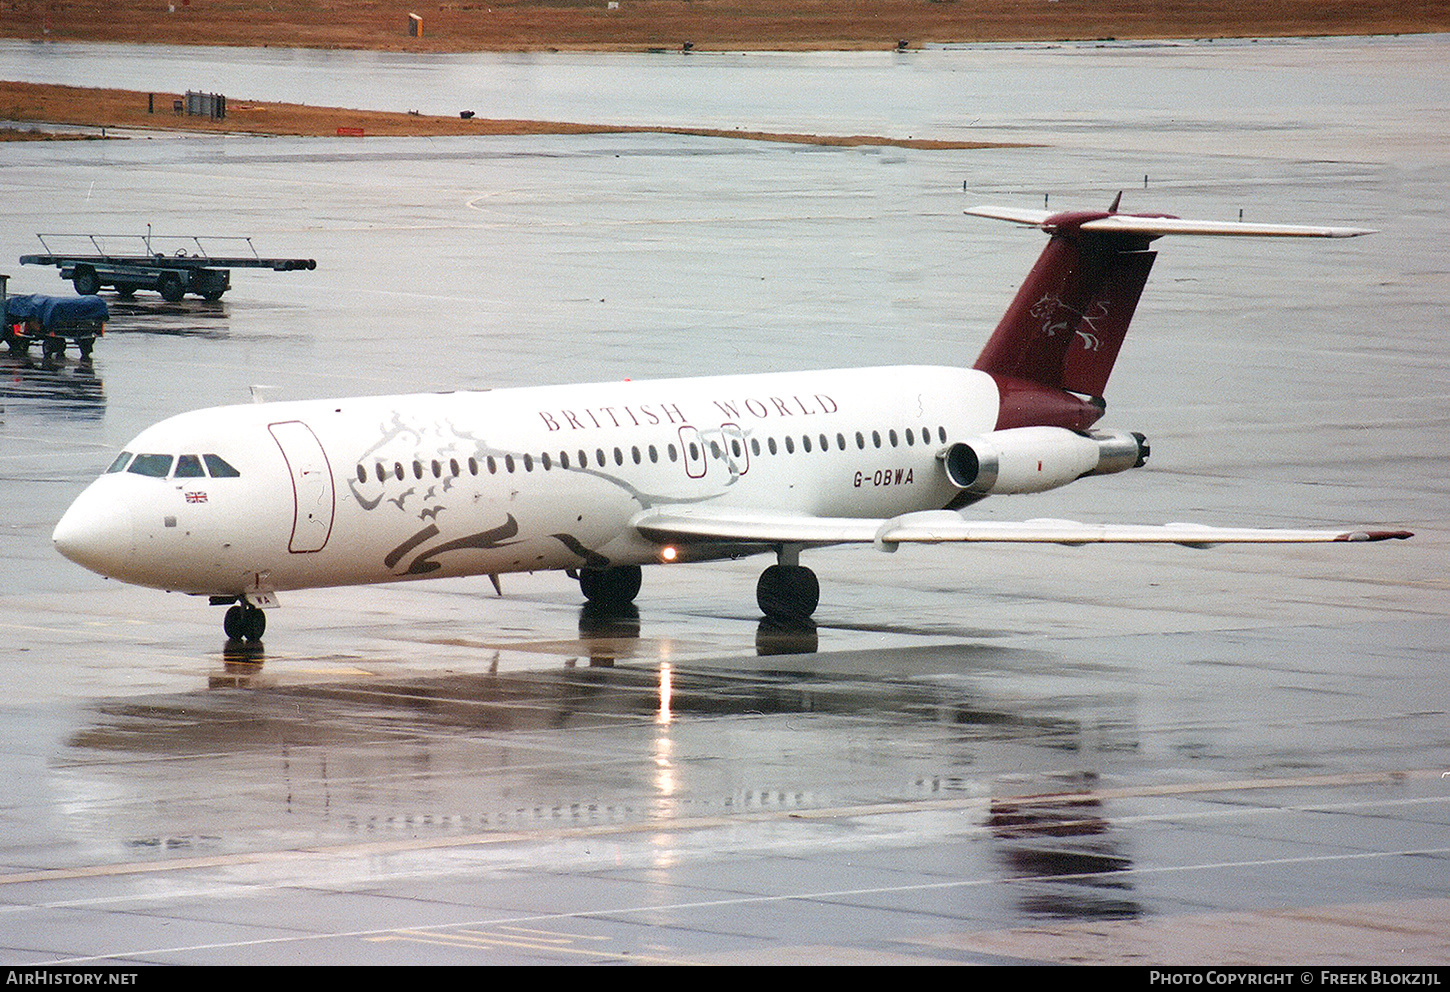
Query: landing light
pixel 669 553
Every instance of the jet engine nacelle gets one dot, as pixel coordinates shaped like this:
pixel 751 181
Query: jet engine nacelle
pixel 1035 459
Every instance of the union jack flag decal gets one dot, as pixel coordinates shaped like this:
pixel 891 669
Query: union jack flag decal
pixel 197 497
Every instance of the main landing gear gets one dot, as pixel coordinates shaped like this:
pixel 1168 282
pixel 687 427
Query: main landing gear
pixel 611 587
pixel 244 622
pixel 788 590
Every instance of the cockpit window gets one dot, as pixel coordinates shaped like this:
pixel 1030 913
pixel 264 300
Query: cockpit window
pixel 218 467
pixel 120 463
pixel 155 466
pixel 189 467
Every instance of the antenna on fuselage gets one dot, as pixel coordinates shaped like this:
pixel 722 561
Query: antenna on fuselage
pixel 257 392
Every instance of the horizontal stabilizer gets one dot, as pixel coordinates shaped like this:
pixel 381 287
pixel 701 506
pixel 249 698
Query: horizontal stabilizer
pixel 685 525
pixel 1157 226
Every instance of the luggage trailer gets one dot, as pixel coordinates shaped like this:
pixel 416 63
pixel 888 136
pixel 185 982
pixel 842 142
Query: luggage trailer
pixel 51 320
pixel 185 267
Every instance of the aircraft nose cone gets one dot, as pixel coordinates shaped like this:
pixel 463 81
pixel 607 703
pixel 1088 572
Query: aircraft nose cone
pixel 96 533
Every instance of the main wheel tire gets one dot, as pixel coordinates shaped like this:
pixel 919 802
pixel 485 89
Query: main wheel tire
pixel 611 586
pixel 171 288
pixel 788 592
pixel 85 280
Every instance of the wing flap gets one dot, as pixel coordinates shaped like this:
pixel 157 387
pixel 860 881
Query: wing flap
pixel 693 524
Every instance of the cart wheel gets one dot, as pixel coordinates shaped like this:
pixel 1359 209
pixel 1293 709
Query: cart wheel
pixel 86 346
pixel 214 296
pixel 170 287
pixel 53 347
pixel 85 280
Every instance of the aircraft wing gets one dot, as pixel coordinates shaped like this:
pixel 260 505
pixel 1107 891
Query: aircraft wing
pixel 686 525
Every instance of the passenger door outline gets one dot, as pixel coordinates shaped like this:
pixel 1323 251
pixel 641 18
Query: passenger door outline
pixel 692 452
pixel 314 500
pixel 736 448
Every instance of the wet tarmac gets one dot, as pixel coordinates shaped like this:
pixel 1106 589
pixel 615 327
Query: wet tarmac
pixel 973 756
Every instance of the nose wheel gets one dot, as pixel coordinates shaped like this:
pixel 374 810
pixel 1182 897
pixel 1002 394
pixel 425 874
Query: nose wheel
pixel 244 622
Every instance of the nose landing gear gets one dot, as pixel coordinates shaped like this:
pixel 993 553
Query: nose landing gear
pixel 244 622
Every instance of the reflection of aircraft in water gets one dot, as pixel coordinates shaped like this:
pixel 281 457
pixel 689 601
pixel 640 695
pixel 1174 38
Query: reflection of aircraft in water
pixel 1065 855
pixel 239 503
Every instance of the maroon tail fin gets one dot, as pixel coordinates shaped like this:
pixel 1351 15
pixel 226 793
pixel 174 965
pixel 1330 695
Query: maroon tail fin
pixel 1054 348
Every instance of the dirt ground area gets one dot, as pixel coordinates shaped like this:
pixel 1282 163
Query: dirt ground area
pixel 123 109
pixel 501 25
pixel 507 25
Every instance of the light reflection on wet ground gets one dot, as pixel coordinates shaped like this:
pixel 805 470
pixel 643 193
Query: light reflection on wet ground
pixel 967 757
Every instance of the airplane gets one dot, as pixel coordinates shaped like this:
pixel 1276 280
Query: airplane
pixel 240 503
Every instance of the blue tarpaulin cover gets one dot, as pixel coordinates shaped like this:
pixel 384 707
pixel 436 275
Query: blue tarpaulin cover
pixel 55 311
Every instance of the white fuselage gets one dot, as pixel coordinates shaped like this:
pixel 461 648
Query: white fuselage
pixel 376 489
